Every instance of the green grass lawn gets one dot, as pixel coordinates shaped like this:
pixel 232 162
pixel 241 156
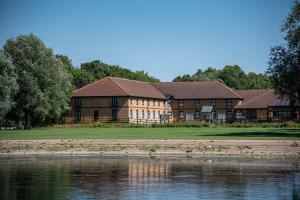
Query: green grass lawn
pixel 152 133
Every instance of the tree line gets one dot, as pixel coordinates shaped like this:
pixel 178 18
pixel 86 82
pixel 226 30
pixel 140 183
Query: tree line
pixel 231 75
pixel 36 84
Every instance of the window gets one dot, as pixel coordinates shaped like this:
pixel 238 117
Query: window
pixel 77 102
pixel 197 102
pixel 130 101
pixel 77 115
pixel 197 114
pixel 137 101
pixel 229 114
pixel 228 103
pixel 143 114
pixel 181 103
pixel 158 114
pixel 148 115
pixel 158 102
pixel 213 102
pixel 114 114
pixel 153 102
pixel 170 114
pixel 251 114
pixel 114 101
pixel 282 112
pixel 137 114
pixel 131 114
pixel 148 102
pixel 181 115
pixel 153 114
pixel 143 101
pixel 169 102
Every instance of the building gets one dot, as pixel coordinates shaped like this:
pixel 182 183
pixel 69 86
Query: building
pixel 120 100
pixel 264 105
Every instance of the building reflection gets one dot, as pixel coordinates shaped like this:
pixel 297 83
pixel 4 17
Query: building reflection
pixel 140 169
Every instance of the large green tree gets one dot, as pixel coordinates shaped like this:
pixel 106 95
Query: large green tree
pixel 8 84
pixel 284 63
pixel 100 70
pixel 233 76
pixel 44 85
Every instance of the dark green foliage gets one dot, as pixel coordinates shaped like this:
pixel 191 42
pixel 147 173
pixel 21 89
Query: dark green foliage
pixel 258 81
pixel 284 64
pixel 8 84
pixel 44 84
pixel 100 70
pixel 183 78
pixel 95 70
pixel 232 76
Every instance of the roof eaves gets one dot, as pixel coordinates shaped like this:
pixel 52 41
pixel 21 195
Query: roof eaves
pixel 255 98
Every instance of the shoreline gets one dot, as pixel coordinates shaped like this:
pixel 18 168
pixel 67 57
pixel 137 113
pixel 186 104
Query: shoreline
pixel 123 147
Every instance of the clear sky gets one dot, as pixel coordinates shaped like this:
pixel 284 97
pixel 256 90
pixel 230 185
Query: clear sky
pixel 163 37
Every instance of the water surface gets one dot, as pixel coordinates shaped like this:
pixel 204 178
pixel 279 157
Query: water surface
pixel 92 177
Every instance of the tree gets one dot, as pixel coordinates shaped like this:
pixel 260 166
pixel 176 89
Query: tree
pixel 8 84
pixel 284 62
pixel 44 85
pixel 82 77
pixel 210 74
pixel 183 78
pixel 100 70
pixel 233 76
pixel 257 81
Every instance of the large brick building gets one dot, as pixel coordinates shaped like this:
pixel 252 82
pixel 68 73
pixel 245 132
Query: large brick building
pixel 121 100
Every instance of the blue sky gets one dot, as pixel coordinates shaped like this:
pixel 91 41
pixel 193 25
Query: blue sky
pixel 163 37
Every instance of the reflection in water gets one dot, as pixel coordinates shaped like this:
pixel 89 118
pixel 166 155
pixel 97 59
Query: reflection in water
pixel 143 178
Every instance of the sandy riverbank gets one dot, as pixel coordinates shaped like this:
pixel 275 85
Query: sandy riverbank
pixel 152 147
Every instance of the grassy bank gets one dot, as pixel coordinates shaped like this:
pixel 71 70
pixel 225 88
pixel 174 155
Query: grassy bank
pixel 228 133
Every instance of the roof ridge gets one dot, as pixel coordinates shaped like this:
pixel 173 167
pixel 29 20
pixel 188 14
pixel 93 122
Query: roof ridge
pixel 126 79
pixel 110 78
pixel 87 85
pixel 230 89
pixel 263 94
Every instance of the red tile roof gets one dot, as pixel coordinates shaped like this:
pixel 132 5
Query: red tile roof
pixel 197 90
pixel 111 86
pixel 260 99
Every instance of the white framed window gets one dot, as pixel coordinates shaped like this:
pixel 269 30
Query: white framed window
pixel 197 102
pixel 143 101
pixel 131 114
pixel 181 103
pixel 137 101
pixel 130 100
pixel 137 114
pixel 153 114
pixel 143 114
pixel 213 102
pixel 158 102
pixel 197 114
pixel 169 102
pixel 228 103
pixel 181 115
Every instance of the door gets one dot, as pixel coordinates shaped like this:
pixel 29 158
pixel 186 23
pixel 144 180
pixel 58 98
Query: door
pixel 96 115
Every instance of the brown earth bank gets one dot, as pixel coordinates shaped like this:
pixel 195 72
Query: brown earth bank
pixel 152 147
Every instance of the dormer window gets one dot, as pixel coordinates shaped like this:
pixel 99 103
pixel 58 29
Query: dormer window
pixel 197 102
pixel 181 103
pixel 213 102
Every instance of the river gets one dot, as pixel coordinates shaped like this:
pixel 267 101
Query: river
pixel 96 177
